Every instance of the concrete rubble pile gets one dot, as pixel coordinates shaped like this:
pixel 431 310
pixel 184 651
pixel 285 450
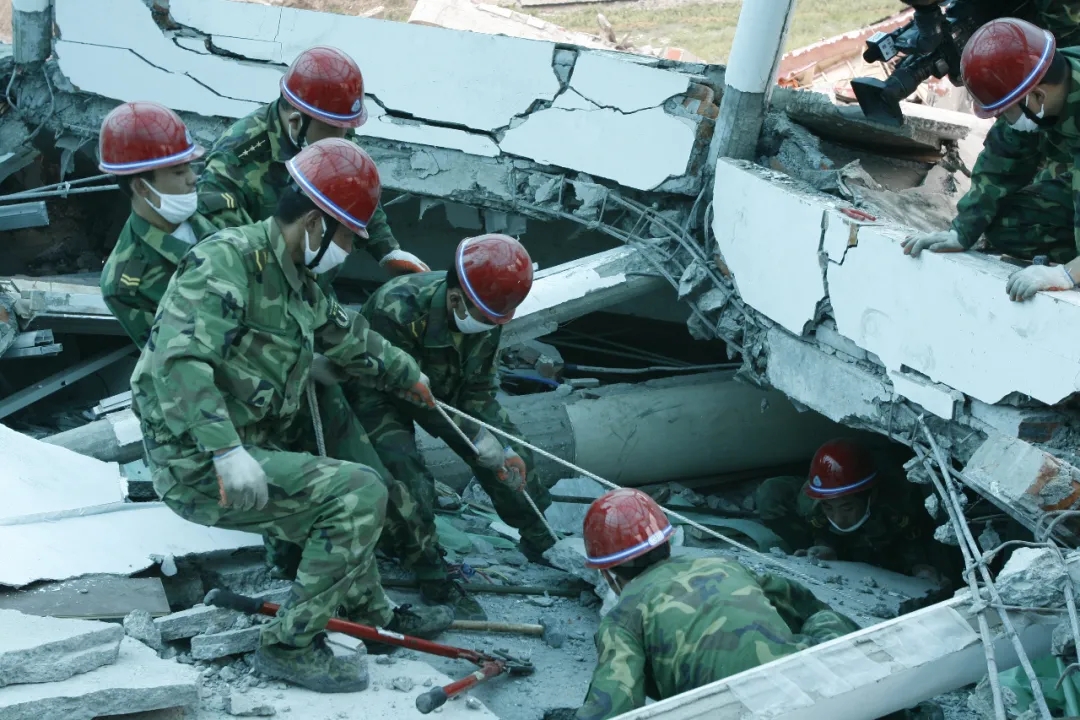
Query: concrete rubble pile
pixel 789 265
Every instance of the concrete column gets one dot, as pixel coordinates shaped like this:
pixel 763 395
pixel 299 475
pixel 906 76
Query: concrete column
pixel 32 25
pixel 751 74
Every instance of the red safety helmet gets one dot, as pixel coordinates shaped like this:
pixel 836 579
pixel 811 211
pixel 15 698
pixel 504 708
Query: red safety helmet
pixel 622 525
pixel 340 178
pixel 140 136
pixel 496 274
pixel 1003 61
pixel 839 468
pixel 326 84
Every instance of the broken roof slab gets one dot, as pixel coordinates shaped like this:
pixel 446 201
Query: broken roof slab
pixel 474 87
pixel 476 81
pixel 944 317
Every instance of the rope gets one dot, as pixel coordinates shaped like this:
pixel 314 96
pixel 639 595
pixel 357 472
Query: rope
pixel 770 559
pixel 316 420
pixel 441 407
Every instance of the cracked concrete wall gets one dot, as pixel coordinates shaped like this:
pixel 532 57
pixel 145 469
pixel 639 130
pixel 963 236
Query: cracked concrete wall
pixel 483 95
pixel 941 326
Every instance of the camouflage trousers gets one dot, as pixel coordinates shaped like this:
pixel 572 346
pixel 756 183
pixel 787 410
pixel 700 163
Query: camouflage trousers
pixel 389 423
pixel 1038 220
pixel 333 509
pixel 345 439
pixel 810 620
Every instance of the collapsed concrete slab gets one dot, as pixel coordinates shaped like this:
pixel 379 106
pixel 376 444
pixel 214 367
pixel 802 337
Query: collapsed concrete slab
pixel 137 682
pixel 119 540
pixel 44 650
pixel 40 478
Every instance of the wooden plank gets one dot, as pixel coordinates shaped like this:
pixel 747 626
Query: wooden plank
pixel 101 597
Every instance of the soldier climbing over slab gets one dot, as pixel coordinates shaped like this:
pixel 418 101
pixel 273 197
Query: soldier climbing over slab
pixel 149 150
pixel 1024 184
pixel 681 623
pixel 221 379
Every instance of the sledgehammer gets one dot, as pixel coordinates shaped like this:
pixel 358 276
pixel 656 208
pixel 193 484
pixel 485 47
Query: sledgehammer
pixel 490 664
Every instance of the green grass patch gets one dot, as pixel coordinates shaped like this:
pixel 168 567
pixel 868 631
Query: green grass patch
pixel 708 28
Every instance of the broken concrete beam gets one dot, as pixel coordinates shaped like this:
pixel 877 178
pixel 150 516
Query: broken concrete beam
pixel 44 650
pixel 137 682
pixel 115 438
pixel 1033 425
pixel 924 128
pixel 1024 481
pixel 223 644
pixel 565 292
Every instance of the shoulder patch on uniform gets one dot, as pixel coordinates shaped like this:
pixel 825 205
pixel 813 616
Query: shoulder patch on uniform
pixel 212 202
pixel 253 149
pixel 338 314
pixel 130 278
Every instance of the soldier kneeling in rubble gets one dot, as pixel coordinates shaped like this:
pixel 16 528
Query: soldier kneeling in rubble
pixel 681 623
pixel 219 384
pixel 847 510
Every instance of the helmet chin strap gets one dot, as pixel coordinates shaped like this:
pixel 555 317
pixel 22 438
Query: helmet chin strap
pixel 1043 122
pixel 301 134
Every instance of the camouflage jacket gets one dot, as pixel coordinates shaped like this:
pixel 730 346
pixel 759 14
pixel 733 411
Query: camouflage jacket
pixel 410 311
pixel 228 357
pixel 139 269
pixel 895 536
pixel 682 624
pixel 1011 160
pixel 247 166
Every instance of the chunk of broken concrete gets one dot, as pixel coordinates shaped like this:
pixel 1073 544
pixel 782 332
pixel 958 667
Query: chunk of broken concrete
pixel 1033 578
pixel 139 625
pixel 230 642
pixel 137 682
pixel 192 622
pixel 248 706
pixel 45 649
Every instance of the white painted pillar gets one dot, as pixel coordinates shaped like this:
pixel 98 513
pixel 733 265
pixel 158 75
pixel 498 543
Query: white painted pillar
pixel 751 74
pixel 32 24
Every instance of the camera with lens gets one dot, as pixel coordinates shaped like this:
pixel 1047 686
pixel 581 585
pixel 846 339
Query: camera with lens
pixel 929 46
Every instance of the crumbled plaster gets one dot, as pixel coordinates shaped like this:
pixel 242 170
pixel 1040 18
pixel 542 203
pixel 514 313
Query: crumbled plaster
pixel 934 397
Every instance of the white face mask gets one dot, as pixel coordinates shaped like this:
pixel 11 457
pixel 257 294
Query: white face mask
pixel 175 208
pixel 856 526
pixel 471 325
pixel 1026 124
pixel 334 255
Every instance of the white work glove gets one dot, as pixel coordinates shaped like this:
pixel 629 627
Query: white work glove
pixel 241 480
pixel 325 372
pixel 1025 283
pixel 489 451
pixel 942 241
pixel 399 262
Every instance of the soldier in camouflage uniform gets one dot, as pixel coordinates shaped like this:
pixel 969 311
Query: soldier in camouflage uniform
pixel 1023 184
pixel 450 323
pixel 849 510
pixel 150 151
pixel 680 622
pixel 221 380
pixel 322 96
